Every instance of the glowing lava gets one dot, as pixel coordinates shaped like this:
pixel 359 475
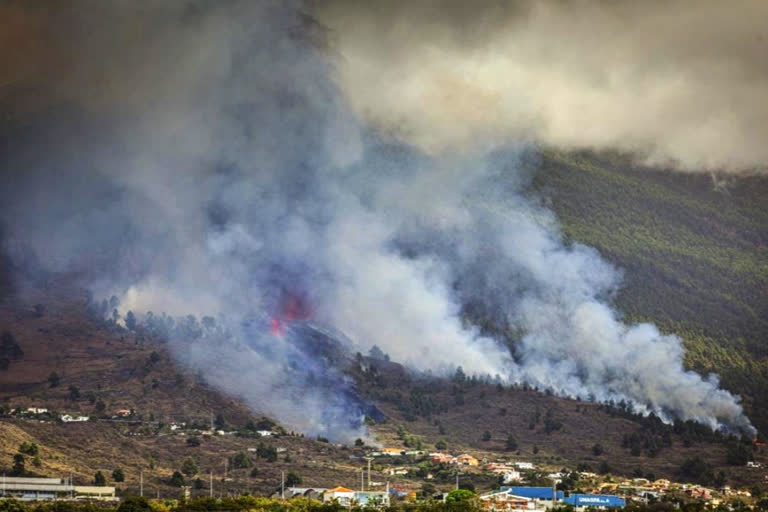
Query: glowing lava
pixel 292 308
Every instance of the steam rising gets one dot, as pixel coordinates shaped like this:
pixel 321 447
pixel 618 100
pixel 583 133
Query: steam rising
pixel 202 160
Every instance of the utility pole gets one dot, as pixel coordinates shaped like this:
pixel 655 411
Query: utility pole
pixel 211 485
pixel 369 459
pixel 457 478
pixel 141 483
pixel 554 492
pixel 362 480
pixel 282 485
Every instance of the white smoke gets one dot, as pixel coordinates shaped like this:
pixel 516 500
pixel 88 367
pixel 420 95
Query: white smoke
pixel 237 183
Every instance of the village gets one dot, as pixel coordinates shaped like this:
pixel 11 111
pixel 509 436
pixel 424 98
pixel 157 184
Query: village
pixel 391 475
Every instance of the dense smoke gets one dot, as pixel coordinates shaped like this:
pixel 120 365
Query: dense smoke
pixel 678 84
pixel 199 158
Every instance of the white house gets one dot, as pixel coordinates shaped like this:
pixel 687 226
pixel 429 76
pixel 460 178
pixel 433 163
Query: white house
pixel 340 495
pixel 67 418
pixel 512 476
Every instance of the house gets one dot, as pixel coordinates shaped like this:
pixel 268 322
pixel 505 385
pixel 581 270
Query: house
pixel 371 498
pixel 442 458
pixel 398 491
pixel 348 497
pixel 67 418
pixel 264 433
pixel 504 500
pixel 524 465
pixel 340 495
pixel 699 492
pixel 123 413
pixel 95 493
pixel 392 452
pixel 401 470
pixel 36 410
pixel 511 476
pixel 467 460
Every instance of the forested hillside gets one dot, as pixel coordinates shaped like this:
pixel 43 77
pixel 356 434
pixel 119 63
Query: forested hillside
pixel 693 251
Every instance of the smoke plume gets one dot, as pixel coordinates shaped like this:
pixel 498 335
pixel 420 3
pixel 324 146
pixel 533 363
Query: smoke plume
pixel 677 84
pixel 203 158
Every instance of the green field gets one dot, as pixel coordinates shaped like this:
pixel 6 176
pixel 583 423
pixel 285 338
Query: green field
pixel 693 251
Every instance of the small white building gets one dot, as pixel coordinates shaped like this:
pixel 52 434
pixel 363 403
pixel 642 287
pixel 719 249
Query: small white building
pixel 505 501
pixel 341 495
pixel 68 418
pixel 512 476
pixel 349 498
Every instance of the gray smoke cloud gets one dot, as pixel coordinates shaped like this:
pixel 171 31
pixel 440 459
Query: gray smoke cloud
pixel 203 158
pixel 677 84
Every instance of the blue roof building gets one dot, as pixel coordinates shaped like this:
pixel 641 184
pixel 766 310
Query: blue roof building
pixel 595 500
pixel 536 493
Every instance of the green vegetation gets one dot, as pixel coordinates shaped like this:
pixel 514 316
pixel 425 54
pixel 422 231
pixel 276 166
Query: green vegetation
pixel 694 255
pixel 18 468
pixel 54 380
pixel 118 475
pixel 189 467
pixel 177 479
pixel 263 451
pixel 292 479
pixel 9 350
pixel 29 448
pixel 240 460
pixel 99 479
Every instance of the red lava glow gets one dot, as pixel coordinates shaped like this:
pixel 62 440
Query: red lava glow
pixel 292 308
pixel 276 327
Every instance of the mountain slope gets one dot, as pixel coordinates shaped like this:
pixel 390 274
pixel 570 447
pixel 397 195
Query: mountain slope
pixel 694 255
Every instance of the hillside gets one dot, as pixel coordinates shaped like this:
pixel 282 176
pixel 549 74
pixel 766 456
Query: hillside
pixel 113 370
pixel 694 253
pixel 479 418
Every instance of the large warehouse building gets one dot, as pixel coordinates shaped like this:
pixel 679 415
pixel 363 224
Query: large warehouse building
pixel 581 501
pixel 46 489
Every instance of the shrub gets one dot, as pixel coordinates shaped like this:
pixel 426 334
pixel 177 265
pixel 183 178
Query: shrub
pixel 99 479
pixel 177 479
pixel 292 479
